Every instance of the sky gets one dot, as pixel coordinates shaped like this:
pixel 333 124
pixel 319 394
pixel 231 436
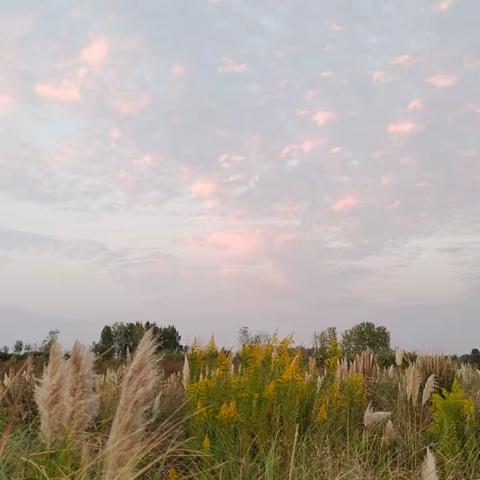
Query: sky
pixel 282 165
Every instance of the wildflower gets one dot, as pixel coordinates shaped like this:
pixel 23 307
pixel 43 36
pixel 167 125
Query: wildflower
pixel 206 443
pixel 322 414
pixel 228 411
pixel 172 474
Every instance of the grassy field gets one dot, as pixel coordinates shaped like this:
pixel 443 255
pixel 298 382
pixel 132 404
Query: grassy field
pixel 266 412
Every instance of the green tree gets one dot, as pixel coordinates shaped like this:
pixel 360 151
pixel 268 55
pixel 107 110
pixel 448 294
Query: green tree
pixel 322 341
pixel 18 347
pixel 168 338
pixel 246 337
pixel 106 345
pixel 48 341
pixel 366 336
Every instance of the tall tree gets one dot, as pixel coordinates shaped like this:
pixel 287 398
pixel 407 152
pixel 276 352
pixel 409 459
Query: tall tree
pixel 322 341
pixel 106 345
pixel 366 336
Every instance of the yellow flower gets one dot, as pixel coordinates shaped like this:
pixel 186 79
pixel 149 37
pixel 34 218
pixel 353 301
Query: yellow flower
pixel 322 412
pixel 172 474
pixel 211 349
pixel 270 390
pixel 228 411
pixel 206 443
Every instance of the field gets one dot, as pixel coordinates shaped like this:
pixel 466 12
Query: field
pixel 270 411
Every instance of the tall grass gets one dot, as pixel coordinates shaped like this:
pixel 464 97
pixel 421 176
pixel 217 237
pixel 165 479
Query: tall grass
pixel 269 411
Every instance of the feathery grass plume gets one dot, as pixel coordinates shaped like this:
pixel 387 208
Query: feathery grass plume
pixel 429 388
pixel 429 467
pixel 372 419
pixel 389 435
pixel 442 366
pixel 399 357
pixel 366 364
pixel 83 402
pixel 342 370
pixel 413 379
pixel 51 397
pixel 136 399
pixel 186 372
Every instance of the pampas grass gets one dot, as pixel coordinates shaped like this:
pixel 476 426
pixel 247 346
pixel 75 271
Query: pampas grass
pixel 429 467
pixel 389 435
pixel 413 380
pixel 137 396
pixel 372 419
pixel 51 397
pixel 83 403
pixel 429 388
pixel 185 372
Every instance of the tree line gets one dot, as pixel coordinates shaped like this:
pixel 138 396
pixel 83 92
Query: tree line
pixel 118 340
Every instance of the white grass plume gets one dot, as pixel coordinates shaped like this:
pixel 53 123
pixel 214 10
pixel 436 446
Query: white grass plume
pixel 399 357
pixel 389 435
pixel 82 398
pixel 413 379
pixel 136 399
pixel 186 372
pixel 429 467
pixel 372 419
pixel 429 388
pixel 51 397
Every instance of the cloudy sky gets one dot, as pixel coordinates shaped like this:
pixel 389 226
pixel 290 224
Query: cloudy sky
pixel 285 165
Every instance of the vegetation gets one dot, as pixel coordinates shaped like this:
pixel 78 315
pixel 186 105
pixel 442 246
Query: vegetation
pixel 272 410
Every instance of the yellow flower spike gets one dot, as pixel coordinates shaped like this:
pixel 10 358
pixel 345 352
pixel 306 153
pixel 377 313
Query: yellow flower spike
pixel 211 346
pixel 228 411
pixel 322 414
pixel 270 390
pixel 206 443
pixel 172 474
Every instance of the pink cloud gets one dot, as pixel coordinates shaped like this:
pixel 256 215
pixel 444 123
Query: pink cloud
pixel 237 244
pixel 328 74
pixel 234 178
pixel 442 80
pixel 95 54
pixel 311 94
pixel 115 134
pixel 345 203
pixel 6 102
pixel 203 189
pixel 401 127
pixel 404 59
pixel 125 177
pixel 444 5
pixel 335 27
pixel 323 117
pixel 245 243
pixel 407 161
pixel 229 65
pixel 228 159
pixel 414 105
pixel 130 104
pixel 297 148
pixel 67 91
pixel 303 113
pixel 144 159
pixel 378 76
pixel 335 150
pixel 177 71
pixel 387 180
